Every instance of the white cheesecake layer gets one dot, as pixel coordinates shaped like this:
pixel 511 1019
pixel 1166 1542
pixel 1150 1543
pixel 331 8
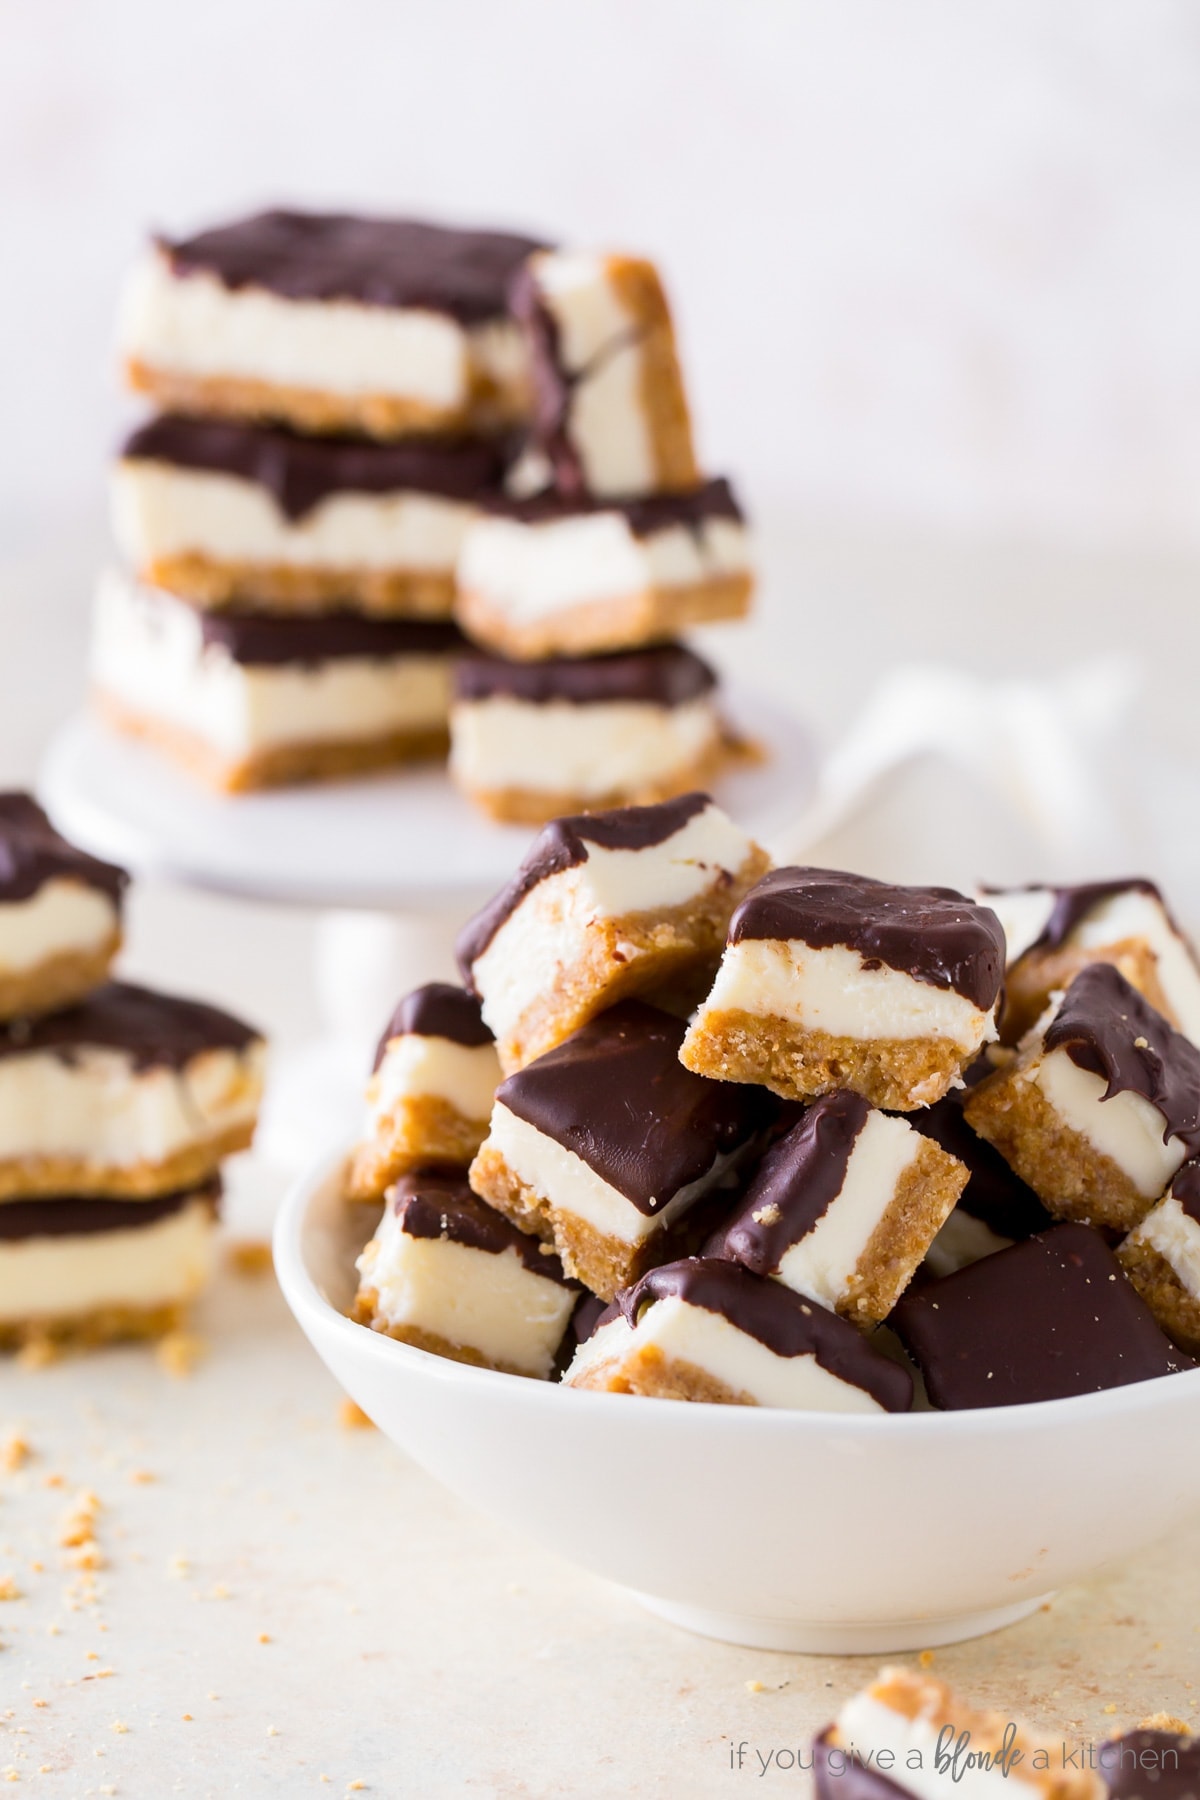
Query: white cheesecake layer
pixel 529 571
pixel 1176 1237
pixel 162 1264
pixel 149 653
pixel 821 1264
pixel 865 1724
pixel 962 1240
pixel 833 991
pixel 706 1339
pixel 63 916
pixel 549 930
pixel 591 750
pixel 1127 1129
pixel 102 1109
pixel 489 1303
pixel 160 511
pixel 466 1076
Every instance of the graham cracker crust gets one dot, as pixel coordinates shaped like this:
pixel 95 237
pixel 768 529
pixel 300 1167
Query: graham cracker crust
pixel 663 395
pixel 620 622
pixel 421 1128
pixel 1177 1311
pixel 292 587
pixel 28 1177
pixel 56 982
pixel 648 1372
pixel 90 1330
pixel 364 1314
pixel 926 1194
pixel 1032 979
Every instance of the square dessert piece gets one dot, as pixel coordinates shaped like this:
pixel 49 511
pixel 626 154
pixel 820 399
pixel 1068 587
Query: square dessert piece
pixel 560 576
pixel 601 1145
pixel 1158 1761
pixel 843 1208
pixel 430 1094
pixel 447 1274
pixel 1051 1317
pixel 529 741
pixel 609 408
pixel 995 1209
pixel 86 1271
pixel 259 699
pixel 328 322
pixel 706 1329
pixel 1053 932
pixel 60 913
pixel 1161 1257
pixel 1100 1107
pixel 128 1094
pixel 834 981
pixel 605 905
pixel 226 514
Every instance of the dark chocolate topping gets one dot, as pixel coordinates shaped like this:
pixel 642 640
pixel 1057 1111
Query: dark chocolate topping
pixel 300 472
pixel 646 513
pixel 563 845
pixel 1073 904
pixel 795 1184
pixel 553 384
pixel 73 1215
pixel 437 1010
pixel 32 853
pixel 437 1203
pixel 994 1195
pixel 668 675
pixel 1047 1318
pixel 1150 1765
pixel 772 1314
pixel 1186 1189
pixel 849 1777
pixel 616 1094
pixel 933 934
pixel 1106 1027
pixel 273 640
pixel 376 262
pixel 154 1030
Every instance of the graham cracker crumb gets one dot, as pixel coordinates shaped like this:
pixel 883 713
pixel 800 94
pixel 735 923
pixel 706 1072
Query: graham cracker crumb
pixel 14 1452
pixel 264 1637
pixel 272 1731
pixel 142 1477
pixel 352 1417
pixel 766 1215
pixel 186 1717
pixel 179 1352
pixel 1111 1707
pixel 1161 1721
pixel 755 1687
pixel 250 1257
pixel 926 1659
pixel 120 1727
pixel 8 1588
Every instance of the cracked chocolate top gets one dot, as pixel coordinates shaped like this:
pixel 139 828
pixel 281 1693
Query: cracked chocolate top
pixel 1150 1765
pixel 1186 1189
pixel 300 472
pixel 376 262
pixel 74 1215
pixel 437 1010
pixel 994 1194
pixel 273 640
pixel 933 934
pixel 563 844
pixel 33 853
pixel 668 675
pixel 1106 1027
pixel 646 513
pixel 794 1186
pixel 153 1030
pixel 617 1096
pixel 765 1310
pixel 437 1203
pixel 1051 1317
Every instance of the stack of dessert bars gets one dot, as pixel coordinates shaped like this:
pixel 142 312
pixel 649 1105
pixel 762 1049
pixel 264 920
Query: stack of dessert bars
pixel 374 437
pixel 118 1105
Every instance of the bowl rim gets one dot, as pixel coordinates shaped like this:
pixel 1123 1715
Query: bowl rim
pixel 304 1298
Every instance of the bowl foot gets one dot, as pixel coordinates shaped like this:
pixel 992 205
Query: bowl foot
pixel 882 1639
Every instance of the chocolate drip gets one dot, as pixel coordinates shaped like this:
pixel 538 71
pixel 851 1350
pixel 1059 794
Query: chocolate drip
pixel 933 934
pixel 668 675
pixel 994 1195
pixel 72 1215
pixel 1106 1027
pixel 437 1010
pixel 794 1186
pixel 155 1031
pixel 300 472
pixel 33 853
pixel 773 1315
pixel 1151 1765
pixel 1048 1318
pixel 617 1096
pixel 1186 1189
pixel 850 1778
pixel 276 640
pixel 645 513
pixel 375 262
pixel 437 1203
pixel 563 845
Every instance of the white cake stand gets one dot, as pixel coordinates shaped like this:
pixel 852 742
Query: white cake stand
pixel 394 864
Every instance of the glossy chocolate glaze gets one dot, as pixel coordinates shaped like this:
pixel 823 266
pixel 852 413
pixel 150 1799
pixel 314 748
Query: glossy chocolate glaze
pixel 1050 1317
pixel 553 384
pixel 668 675
pixel 773 1315
pixel 375 262
pixel 934 935
pixel 850 1778
pixel 563 844
pixel 276 640
pixel 794 1186
pixel 617 1096
pixel 155 1031
pixel 437 1203
pixel 437 1010
pixel 1106 1027
pixel 1186 1189
pixel 645 513
pixel 300 472
pixel 33 853
pixel 1073 904
pixel 71 1215
pixel 994 1195
pixel 1173 1771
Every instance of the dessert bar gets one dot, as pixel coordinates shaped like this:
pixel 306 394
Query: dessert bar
pixel 60 913
pixel 1161 1257
pixel 996 1208
pixel 1158 1761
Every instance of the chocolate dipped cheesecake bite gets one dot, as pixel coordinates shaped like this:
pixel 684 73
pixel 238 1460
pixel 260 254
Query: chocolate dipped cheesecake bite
pixel 60 913
pixel 1161 1257
pixel 995 1208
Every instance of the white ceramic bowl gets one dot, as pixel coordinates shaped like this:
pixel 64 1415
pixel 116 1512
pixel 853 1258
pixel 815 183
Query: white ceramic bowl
pixel 783 1530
